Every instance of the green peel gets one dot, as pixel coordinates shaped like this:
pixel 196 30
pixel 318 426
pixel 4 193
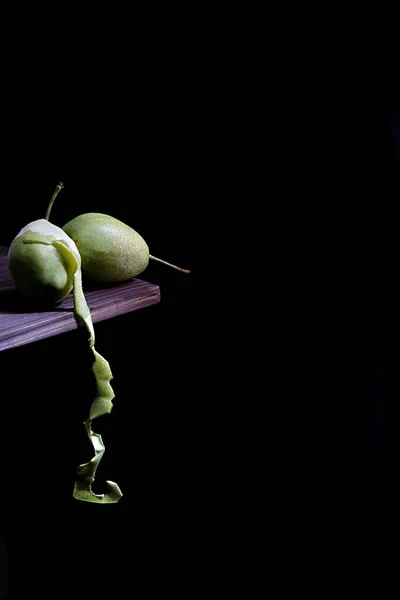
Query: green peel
pixel 102 404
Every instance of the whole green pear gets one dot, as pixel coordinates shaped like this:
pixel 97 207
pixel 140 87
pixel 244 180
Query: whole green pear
pixel 110 250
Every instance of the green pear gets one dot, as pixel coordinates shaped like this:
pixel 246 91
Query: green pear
pixel 40 262
pixel 42 259
pixel 110 250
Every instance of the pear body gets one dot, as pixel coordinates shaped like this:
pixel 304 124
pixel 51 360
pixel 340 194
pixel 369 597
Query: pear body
pixel 40 262
pixel 110 250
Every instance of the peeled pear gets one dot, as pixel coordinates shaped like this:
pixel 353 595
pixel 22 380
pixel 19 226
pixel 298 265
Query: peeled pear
pixel 110 250
pixel 45 264
pixel 39 268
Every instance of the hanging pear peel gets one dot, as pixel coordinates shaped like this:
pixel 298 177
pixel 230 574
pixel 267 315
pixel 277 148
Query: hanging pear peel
pixel 45 264
pixel 110 250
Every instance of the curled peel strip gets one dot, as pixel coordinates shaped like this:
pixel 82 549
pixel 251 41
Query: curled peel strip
pixel 102 404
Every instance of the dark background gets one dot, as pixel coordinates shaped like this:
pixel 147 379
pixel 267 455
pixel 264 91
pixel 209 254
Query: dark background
pixel 360 363
pixel 374 316
pixel 148 128
pixel 137 148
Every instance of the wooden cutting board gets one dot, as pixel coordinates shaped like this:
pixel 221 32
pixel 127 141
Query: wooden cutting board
pixel 20 324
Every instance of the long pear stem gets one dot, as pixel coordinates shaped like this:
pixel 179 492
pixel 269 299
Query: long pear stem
pixel 59 187
pixel 169 264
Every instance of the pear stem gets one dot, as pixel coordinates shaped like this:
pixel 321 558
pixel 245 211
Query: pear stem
pixel 168 264
pixel 59 187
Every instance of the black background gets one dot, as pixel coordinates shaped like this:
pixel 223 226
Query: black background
pixel 134 144
pixel 146 128
pixel 352 463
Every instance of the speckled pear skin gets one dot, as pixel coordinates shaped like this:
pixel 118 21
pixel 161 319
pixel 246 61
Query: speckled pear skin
pixel 110 250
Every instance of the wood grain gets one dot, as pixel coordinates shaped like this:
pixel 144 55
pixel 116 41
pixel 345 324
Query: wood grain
pixel 21 324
